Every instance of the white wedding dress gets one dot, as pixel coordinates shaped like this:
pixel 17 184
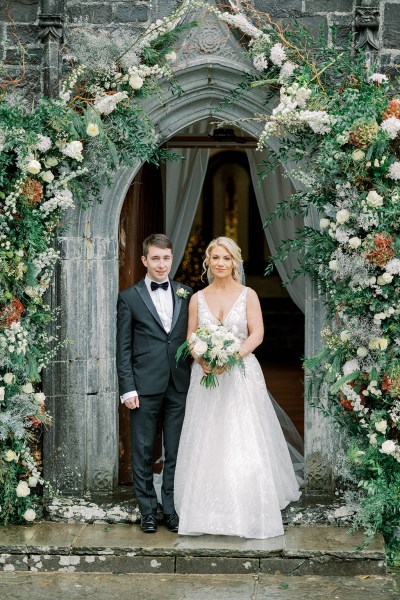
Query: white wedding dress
pixel 233 473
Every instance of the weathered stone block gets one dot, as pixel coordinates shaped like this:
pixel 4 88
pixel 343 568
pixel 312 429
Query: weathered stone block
pixel 391 26
pixel 19 12
pixel 101 563
pixel 126 13
pixel 329 6
pixel 33 56
pixel 27 35
pixel 92 13
pixel 205 564
pixel 344 31
pixel 11 562
pixel 327 566
pixel 289 8
pixel 316 24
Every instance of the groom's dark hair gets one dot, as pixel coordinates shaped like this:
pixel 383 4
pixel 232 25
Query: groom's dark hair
pixel 159 240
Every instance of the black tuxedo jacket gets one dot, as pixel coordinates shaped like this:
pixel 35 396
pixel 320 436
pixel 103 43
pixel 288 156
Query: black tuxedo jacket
pixel 145 351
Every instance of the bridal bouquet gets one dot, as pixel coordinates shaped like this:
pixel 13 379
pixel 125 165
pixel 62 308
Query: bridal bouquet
pixel 217 346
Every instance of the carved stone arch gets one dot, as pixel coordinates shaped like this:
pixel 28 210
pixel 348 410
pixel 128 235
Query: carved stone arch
pixel 81 449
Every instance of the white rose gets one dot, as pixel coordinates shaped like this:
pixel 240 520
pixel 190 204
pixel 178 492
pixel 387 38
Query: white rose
pixel 1 393
pixel 34 167
pixel 40 398
pixel 23 489
pixel 374 199
pixel 47 176
pixel 381 426
pixel 10 455
pixel 372 438
pixel 388 447
pixel 27 388
pixel 44 143
pixel 362 351
pixel 29 515
pixel 324 223
pixel 51 161
pixel 342 216
pixel 92 129
pixel 171 56
pixel 358 155
pixel 354 242
pixel 387 277
pixel 32 481
pixel 200 348
pixel 135 82
pixel 8 378
pixel 333 265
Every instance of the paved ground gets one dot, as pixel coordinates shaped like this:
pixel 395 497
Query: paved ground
pixel 105 586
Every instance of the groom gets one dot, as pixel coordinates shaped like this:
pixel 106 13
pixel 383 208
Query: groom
pixel 151 324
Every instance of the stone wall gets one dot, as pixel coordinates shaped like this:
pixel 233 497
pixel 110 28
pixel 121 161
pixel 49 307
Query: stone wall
pixel 97 24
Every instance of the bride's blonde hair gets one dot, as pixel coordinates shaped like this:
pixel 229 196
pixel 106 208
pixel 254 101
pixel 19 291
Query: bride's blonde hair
pixel 233 250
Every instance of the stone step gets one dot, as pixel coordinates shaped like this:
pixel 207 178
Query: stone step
pixel 120 548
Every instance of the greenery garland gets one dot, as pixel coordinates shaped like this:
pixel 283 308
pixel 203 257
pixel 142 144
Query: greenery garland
pixel 336 116
pixel 53 156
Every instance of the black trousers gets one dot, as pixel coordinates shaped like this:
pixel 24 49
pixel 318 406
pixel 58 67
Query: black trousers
pixel 170 405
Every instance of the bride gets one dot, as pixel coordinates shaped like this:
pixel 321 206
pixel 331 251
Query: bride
pixel 234 474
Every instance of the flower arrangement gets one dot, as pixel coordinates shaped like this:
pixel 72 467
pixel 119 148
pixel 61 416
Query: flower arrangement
pixel 338 118
pixel 217 347
pixel 52 156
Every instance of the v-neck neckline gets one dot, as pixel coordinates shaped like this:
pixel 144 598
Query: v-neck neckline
pixel 229 311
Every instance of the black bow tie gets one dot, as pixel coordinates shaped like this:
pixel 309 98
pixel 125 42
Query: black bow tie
pixel 154 286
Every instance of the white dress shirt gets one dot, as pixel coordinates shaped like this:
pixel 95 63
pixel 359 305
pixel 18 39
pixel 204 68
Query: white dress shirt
pixel 162 300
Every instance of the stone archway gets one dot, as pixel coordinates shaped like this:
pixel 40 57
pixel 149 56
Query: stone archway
pixel 81 449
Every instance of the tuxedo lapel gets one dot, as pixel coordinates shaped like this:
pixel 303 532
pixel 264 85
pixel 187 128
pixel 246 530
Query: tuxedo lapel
pixel 177 304
pixel 143 292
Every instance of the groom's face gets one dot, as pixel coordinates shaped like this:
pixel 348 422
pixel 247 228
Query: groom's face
pixel 158 263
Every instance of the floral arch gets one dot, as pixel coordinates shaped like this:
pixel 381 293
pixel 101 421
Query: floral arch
pixel 48 159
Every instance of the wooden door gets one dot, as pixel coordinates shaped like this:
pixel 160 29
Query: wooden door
pixel 141 215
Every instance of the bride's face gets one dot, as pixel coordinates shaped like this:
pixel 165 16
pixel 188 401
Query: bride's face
pixel 221 263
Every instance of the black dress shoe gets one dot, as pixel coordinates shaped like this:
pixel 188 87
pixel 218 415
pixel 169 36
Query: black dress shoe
pixel 149 523
pixel 171 522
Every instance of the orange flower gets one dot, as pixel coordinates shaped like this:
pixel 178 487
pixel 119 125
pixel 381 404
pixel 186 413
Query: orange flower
pixel 12 313
pixel 379 249
pixel 393 110
pixel 32 190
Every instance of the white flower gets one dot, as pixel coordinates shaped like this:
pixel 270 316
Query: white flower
pixel 2 390
pixel 23 489
pixel 384 279
pixel 362 351
pixel 377 78
pixel 29 515
pixel 51 161
pixel 354 242
pixel 73 150
pixel 44 143
pixel 32 481
pixel 324 223
pixel 47 176
pixel 393 266
pixel 260 62
pixel 277 54
pixel 182 293
pixel 200 347
pixel 333 265
pixel 358 155
pixel 318 120
pixel 345 335
pixel 10 456
pixel 171 56
pixel 106 104
pixel 8 378
pixel 391 126
pixel 27 388
pixel 388 447
pixel 342 216
pixel 34 167
pixel 92 129
pixel 372 438
pixel 40 398
pixel 287 70
pixel 381 426
pixel 350 366
pixel 378 343
pixel 374 199
pixel 394 170
pixel 135 82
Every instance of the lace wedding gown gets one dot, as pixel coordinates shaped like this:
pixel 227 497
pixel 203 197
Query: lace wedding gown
pixel 233 473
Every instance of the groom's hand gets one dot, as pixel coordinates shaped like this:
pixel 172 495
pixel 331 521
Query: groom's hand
pixel 132 403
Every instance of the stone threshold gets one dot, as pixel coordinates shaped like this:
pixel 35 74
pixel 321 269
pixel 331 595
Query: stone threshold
pixel 121 548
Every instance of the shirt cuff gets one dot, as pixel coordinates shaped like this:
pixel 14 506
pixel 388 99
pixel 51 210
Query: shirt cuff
pixel 128 395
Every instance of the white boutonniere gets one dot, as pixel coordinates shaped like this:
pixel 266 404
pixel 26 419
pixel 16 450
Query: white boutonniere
pixel 182 293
